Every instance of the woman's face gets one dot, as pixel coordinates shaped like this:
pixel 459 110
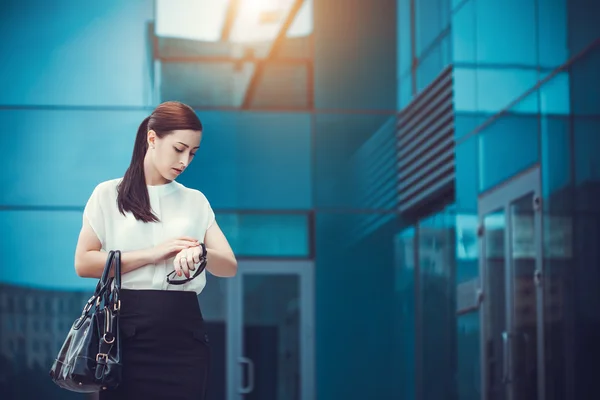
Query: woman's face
pixel 172 154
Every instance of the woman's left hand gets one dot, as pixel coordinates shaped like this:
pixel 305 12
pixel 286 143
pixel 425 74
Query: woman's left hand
pixel 186 259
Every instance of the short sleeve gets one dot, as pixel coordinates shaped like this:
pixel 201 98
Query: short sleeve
pixel 94 214
pixel 211 215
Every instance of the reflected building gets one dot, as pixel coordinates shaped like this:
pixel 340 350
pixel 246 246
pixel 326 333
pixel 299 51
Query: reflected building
pixel 35 322
pixel 33 326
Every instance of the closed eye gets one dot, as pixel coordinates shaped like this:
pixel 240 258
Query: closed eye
pixel 178 150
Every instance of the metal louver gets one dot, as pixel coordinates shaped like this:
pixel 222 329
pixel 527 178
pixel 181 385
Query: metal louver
pixel 425 146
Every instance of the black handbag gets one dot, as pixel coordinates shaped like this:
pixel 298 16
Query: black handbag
pixel 90 358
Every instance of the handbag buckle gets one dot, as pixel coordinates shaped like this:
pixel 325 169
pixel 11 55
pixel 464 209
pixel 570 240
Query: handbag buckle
pixel 112 339
pixel 117 305
pixel 101 355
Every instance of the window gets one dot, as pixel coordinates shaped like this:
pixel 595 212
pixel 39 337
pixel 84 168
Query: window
pixel 266 234
pixel 254 20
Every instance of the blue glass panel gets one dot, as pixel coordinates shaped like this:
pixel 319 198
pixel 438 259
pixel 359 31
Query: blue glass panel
pixel 404 37
pixel 585 86
pixel 405 90
pixel 552 33
pixel 465 89
pixel 467 247
pixel 466 123
pixel 53 235
pixel 338 139
pixel 507 146
pixel 405 312
pixel 467 173
pixel 266 235
pixel 585 97
pixel 372 170
pixel 436 247
pixel 88 53
pixel 57 157
pixel 468 352
pixel 506 32
pixel 254 160
pixel 455 4
pixel 355 54
pixel 583 24
pixel 432 17
pixel 587 143
pixel 556 153
pixel 555 96
pixel 463 33
pixel 349 283
pixel 432 63
pixel 499 88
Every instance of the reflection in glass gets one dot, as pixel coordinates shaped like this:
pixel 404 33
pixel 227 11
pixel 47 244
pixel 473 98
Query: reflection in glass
pixel 558 259
pixel 271 327
pixel 433 62
pixel 404 38
pixel 437 301
pixel 575 280
pixel 498 45
pixel 466 181
pixel 506 84
pixel 523 339
pixel 404 309
pixel 431 18
pixel 213 303
pixel 33 325
pixel 499 157
pixel 554 96
pixel 463 33
pixel 266 235
pixel 553 47
pixel 495 303
pixel 556 158
pixel 468 356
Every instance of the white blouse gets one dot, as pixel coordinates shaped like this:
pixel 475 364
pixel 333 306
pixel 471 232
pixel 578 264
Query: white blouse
pixel 181 211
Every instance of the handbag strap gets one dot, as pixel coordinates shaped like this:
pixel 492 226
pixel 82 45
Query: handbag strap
pixel 111 292
pixel 110 312
pixel 107 267
pixel 101 282
pixel 99 292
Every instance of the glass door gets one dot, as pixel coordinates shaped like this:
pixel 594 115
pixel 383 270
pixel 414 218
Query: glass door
pixel 511 267
pixel 271 336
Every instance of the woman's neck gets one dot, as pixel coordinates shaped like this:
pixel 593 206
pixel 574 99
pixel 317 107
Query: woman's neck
pixel 153 177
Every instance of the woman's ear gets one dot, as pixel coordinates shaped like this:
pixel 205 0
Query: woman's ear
pixel 151 138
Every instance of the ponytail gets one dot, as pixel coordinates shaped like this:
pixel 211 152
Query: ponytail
pixel 132 193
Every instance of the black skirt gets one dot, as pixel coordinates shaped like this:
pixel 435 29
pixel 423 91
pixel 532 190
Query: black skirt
pixel 165 347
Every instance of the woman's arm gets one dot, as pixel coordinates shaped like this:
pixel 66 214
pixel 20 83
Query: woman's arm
pixel 220 260
pixel 90 259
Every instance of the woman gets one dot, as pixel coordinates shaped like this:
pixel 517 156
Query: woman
pixel 162 229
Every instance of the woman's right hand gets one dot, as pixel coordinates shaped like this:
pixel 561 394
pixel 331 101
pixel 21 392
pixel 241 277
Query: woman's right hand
pixel 171 247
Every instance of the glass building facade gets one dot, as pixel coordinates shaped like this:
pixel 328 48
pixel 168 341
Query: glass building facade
pixel 497 290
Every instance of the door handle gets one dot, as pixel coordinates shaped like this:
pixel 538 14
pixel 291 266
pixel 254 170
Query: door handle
pixel 250 387
pixel 506 378
pixel 537 277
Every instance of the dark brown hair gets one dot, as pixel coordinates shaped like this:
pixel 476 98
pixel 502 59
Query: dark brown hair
pixel 132 191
